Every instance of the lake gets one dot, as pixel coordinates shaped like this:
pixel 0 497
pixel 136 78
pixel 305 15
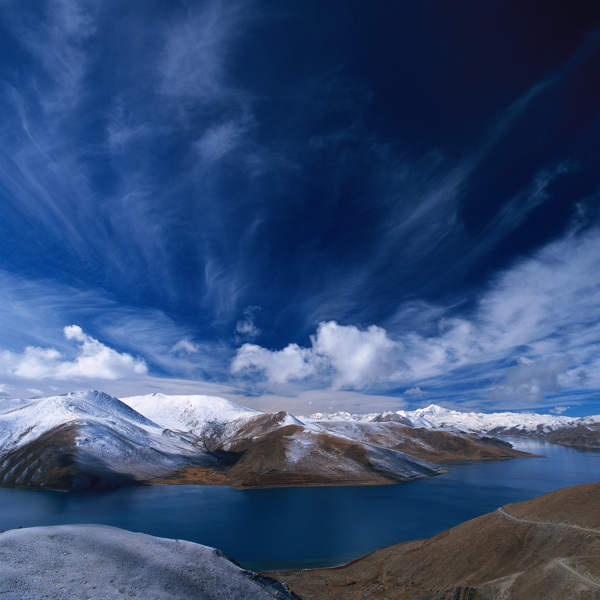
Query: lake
pixel 315 526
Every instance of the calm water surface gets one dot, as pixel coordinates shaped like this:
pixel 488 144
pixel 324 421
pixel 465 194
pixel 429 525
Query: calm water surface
pixel 307 527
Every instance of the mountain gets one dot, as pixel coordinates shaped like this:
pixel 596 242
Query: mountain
pixel 579 432
pixel 428 444
pixel 206 416
pixel 90 440
pixel 279 449
pixel 97 561
pixel 582 435
pixel 543 549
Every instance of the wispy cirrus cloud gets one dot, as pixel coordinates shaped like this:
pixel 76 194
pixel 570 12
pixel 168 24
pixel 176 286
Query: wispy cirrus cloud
pixel 193 59
pixel 533 332
pixel 84 173
pixel 246 328
pixel 186 347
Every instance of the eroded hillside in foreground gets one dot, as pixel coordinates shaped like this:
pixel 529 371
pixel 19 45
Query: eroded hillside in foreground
pixel 543 549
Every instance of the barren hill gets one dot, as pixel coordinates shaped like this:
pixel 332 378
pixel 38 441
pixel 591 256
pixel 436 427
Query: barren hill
pixel 278 449
pixel 544 549
pixel 90 440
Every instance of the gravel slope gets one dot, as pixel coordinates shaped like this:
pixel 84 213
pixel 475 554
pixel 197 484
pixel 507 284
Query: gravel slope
pixel 105 563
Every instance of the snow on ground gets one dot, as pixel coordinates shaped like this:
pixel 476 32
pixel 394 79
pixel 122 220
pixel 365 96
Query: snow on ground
pixel 189 413
pixel 590 420
pixel 350 430
pixel 299 447
pixel 106 563
pixel 443 417
pixel 105 430
pixel 436 416
pixel 25 423
pixel 290 419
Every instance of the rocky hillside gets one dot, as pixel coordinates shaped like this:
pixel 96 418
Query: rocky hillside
pixel 90 440
pixel 544 549
pixel 279 449
pixel 96 561
pixel 582 435
pixel 581 432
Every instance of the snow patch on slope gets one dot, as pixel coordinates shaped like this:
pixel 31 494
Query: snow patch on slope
pixel 23 424
pixel 189 413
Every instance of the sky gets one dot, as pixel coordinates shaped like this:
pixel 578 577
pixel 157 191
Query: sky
pixel 303 205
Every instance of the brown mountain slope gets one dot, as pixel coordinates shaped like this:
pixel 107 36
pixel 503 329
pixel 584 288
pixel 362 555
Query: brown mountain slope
pixel 89 440
pixel 291 455
pixel 547 548
pixel 278 450
pixel 433 445
pixel 59 460
pixel 583 436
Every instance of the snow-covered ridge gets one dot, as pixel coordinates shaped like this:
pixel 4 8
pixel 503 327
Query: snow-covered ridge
pixel 20 424
pixel 434 416
pixel 189 413
pixel 473 421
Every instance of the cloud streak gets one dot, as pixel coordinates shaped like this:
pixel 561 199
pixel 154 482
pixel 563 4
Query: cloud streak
pixel 541 317
pixel 398 234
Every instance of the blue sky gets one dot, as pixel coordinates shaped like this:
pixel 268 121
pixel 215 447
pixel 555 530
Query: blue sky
pixel 303 205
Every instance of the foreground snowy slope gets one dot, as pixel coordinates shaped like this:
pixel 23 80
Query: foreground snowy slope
pixel 101 562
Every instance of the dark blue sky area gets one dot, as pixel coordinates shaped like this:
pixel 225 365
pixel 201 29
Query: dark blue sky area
pixel 389 199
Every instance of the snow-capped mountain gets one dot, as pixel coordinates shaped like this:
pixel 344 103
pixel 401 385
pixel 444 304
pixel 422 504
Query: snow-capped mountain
pixel 483 422
pixel 196 414
pixel 89 440
pixel 583 431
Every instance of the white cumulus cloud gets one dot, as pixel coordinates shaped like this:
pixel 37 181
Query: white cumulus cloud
pixel 541 316
pixel 343 355
pixel 93 361
pixel 278 366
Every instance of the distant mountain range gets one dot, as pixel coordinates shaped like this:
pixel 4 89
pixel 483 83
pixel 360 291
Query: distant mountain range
pixel 90 440
pixel 581 432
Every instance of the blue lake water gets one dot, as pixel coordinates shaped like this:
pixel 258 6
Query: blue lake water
pixel 308 527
